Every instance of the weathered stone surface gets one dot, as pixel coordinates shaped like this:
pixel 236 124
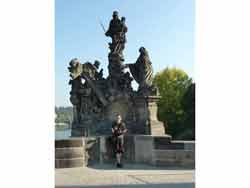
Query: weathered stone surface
pixel 69 163
pixel 68 153
pixel 155 126
pixel 68 143
pixel 107 154
pixel 129 144
pixel 117 31
pixel 190 145
pixel 162 142
pixel 174 158
pixel 147 149
pixel 92 150
pixel 142 72
pixel 143 149
pixel 96 100
pixel 172 146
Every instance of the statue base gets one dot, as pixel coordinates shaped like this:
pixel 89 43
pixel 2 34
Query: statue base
pixel 147 113
pixel 139 113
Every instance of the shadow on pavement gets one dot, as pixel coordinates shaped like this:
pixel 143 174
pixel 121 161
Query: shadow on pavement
pixel 164 185
pixel 137 167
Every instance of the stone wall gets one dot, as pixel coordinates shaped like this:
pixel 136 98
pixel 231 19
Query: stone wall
pixel 175 153
pixel 147 149
pixel 69 153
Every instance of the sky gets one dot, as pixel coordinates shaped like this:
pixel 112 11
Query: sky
pixel 164 27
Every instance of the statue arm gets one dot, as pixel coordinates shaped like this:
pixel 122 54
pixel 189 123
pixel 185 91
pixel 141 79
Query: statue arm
pixel 108 31
pixel 125 29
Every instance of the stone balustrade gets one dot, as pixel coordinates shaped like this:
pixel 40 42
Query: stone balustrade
pixel 147 149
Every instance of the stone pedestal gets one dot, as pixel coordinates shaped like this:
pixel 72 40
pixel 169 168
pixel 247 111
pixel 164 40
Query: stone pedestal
pixel 155 126
pixel 147 115
pixel 70 153
pixel 141 115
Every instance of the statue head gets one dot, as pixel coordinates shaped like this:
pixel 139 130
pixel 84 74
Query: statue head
pixel 97 64
pixel 142 50
pixel 123 19
pixel 115 15
pixel 74 62
pixel 75 68
pixel 144 54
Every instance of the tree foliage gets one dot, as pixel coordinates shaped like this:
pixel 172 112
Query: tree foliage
pixel 188 103
pixel 174 106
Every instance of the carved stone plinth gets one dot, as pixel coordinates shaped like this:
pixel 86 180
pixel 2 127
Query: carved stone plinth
pixel 147 115
pixel 70 153
pixel 156 127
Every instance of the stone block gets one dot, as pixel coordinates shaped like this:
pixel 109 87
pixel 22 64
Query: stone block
pixel 156 128
pixel 68 153
pixel 143 149
pixel 174 157
pixel 69 143
pixel 92 150
pixel 161 142
pixel 129 145
pixel 165 154
pixel 69 163
pixel 107 153
pixel 170 146
pixel 148 149
pixel 169 162
pixel 190 145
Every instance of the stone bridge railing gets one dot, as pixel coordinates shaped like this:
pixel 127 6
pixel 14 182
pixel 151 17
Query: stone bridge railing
pixel 147 149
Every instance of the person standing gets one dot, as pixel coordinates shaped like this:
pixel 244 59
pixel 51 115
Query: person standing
pixel 118 131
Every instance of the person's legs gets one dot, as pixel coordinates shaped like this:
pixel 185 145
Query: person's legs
pixel 122 145
pixel 119 152
pixel 118 158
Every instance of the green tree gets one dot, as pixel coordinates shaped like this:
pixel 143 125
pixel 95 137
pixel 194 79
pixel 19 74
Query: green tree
pixel 173 84
pixel 188 103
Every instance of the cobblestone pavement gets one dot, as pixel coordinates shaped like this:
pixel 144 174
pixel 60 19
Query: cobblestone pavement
pixel 129 176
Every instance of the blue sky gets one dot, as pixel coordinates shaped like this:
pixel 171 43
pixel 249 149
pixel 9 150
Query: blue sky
pixel 164 27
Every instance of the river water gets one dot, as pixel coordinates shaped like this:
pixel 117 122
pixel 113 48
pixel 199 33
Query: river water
pixel 62 134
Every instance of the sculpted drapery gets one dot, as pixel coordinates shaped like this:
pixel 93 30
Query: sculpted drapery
pixel 142 70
